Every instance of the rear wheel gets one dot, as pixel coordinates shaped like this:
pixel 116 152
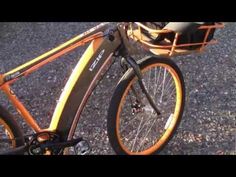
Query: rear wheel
pixel 11 135
pixel 133 126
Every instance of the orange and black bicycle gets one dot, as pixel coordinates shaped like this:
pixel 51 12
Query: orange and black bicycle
pixel 147 104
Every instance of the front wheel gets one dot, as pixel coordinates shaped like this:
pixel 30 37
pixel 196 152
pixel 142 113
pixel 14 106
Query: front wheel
pixel 134 128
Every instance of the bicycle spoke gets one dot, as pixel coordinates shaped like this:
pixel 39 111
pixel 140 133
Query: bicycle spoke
pixel 128 123
pixel 144 129
pixel 147 134
pixel 157 81
pixel 163 85
pixel 171 85
pixel 140 129
pixel 172 92
pixel 159 86
pixel 168 83
pixel 143 126
pixel 136 135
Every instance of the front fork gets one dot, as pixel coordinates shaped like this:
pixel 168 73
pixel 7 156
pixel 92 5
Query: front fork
pixel 132 63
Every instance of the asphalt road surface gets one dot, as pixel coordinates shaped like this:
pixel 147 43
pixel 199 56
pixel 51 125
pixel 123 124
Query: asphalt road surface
pixel 208 124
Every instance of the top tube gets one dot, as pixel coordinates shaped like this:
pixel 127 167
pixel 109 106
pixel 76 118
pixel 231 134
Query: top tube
pixel 82 39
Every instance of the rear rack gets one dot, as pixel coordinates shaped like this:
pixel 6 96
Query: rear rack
pixel 169 48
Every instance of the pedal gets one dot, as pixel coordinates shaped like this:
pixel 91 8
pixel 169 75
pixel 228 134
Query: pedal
pixel 82 148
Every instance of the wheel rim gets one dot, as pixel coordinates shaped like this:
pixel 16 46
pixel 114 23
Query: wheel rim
pixel 6 137
pixel 149 122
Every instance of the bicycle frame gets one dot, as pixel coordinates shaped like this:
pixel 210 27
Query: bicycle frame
pixel 95 61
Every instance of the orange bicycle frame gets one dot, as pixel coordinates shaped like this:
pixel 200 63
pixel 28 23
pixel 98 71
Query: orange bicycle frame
pixel 95 35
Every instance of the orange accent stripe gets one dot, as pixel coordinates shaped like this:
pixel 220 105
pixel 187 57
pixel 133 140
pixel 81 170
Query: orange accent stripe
pixel 53 51
pixel 52 58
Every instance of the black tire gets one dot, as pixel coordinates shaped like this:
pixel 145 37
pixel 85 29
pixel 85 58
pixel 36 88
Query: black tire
pixel 6 119
pixel 118 95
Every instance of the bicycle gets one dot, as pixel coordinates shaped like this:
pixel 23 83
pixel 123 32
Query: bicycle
pixel 146 106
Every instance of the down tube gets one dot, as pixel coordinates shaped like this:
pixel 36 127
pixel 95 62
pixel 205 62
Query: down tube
pixel 96 59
